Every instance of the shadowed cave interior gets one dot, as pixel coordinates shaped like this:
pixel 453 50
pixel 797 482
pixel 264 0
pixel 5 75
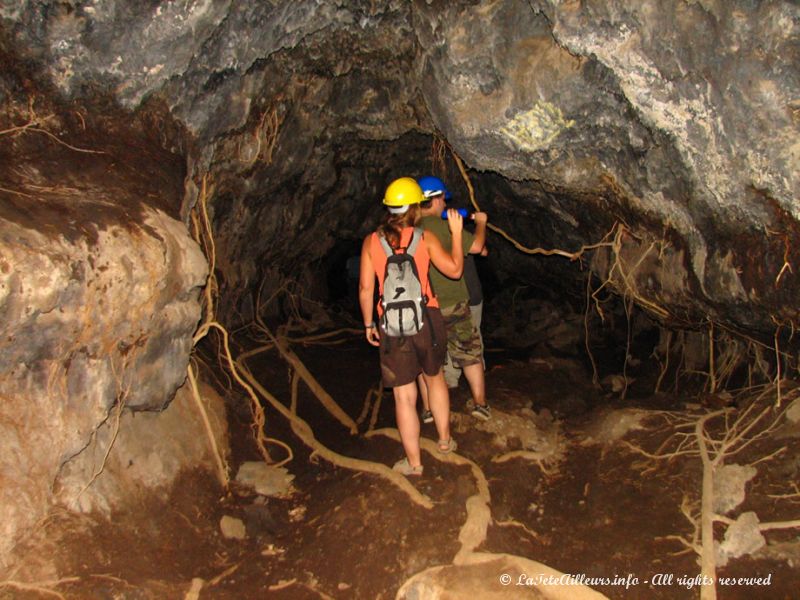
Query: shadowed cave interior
pixel 189 407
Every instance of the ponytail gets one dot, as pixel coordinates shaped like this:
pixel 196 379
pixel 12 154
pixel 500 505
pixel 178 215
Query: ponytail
pixel 393 225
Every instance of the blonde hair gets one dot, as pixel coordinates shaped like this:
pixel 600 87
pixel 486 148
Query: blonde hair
pixel 393 225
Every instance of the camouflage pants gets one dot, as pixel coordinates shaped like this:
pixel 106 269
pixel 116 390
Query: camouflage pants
pixel 464 342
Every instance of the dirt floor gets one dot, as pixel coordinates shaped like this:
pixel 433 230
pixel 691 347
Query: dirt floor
pixel 592 507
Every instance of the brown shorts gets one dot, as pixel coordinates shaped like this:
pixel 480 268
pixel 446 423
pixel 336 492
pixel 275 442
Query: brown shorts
pixel 403 358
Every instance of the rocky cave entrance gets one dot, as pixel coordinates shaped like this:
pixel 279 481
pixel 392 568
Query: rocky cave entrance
pixel 189 409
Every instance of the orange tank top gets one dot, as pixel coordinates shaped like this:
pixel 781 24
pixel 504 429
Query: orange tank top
pixel 421 258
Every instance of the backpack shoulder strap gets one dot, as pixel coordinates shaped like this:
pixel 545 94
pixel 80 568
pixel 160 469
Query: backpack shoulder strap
pixel 385 245
pixel 416 237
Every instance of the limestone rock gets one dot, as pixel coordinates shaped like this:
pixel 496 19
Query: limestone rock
pixel 495 577
pixel 610 426
pixel 232 528
pixel 98 303
pixel 793 412
pixel 729 486
pixel 742 537
pixel 265 479
pixel 133 452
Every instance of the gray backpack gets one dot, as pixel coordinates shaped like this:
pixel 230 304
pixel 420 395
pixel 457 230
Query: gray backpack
pixel 403 300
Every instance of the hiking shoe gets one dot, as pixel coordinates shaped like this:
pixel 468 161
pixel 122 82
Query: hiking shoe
pixel 446 446
pixel 481 412
pixel 426 417
pixel 405 468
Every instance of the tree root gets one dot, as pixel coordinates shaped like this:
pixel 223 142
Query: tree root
pixel 540 581
pixel 282 585
pixel 537 457
pixel 546 252
pixel 194 589
pixel 259 418
pixel 305 433
pixel 473 534
pixel 40 587
pixel 222 466
pixel 479 517
pixel 37 123
pixel 322 395
pixel 377 393
pixel 204 236
pixel 751 423
pixel 779 525
pixel 515 523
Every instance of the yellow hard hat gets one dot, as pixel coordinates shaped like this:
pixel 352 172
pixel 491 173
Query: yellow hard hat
pixel 401 193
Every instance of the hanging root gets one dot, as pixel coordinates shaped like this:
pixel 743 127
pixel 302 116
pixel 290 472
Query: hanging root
pixel 724 362
pixel 778 398
pixel 222 465
pixel 613 240
pixel 38 124
pixel 204 236
pixel 438 154
pixel 595 375
pixel 122 394
pixel 620 276
pixel 257 411
pixel 665 365
pixel 570 255
pixel 787 250
pixel 264 138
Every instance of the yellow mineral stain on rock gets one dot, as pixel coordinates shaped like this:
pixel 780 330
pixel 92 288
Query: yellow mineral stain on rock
pixel 537 127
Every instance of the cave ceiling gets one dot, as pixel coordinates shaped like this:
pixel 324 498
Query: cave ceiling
pixel 665 130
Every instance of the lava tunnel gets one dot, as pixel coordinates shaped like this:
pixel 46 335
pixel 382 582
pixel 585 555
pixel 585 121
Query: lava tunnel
pixel 190 405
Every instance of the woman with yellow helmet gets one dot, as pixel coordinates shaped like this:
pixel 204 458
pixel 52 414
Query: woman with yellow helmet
pixel 403 357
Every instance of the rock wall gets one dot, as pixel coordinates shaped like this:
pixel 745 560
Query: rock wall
pixel 99 297
pixel 679 119
pixel 89 328
pixel 136 453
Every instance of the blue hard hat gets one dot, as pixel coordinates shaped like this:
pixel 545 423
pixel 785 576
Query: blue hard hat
pixel 433 185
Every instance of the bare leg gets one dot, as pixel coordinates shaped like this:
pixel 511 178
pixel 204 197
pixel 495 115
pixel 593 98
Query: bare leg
pixel 405 408
pixel 439 398
pixel 477 382
pixel 423 392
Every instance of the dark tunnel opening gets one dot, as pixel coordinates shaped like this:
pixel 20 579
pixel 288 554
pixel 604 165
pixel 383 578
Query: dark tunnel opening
pixel 342 269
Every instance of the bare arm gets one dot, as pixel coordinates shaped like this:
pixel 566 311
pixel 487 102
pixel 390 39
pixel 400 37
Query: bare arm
pixel 479 242
pixel 366 292
pixel 451 265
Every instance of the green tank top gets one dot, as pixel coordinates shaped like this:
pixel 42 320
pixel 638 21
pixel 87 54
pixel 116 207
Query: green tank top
pixel 448 291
